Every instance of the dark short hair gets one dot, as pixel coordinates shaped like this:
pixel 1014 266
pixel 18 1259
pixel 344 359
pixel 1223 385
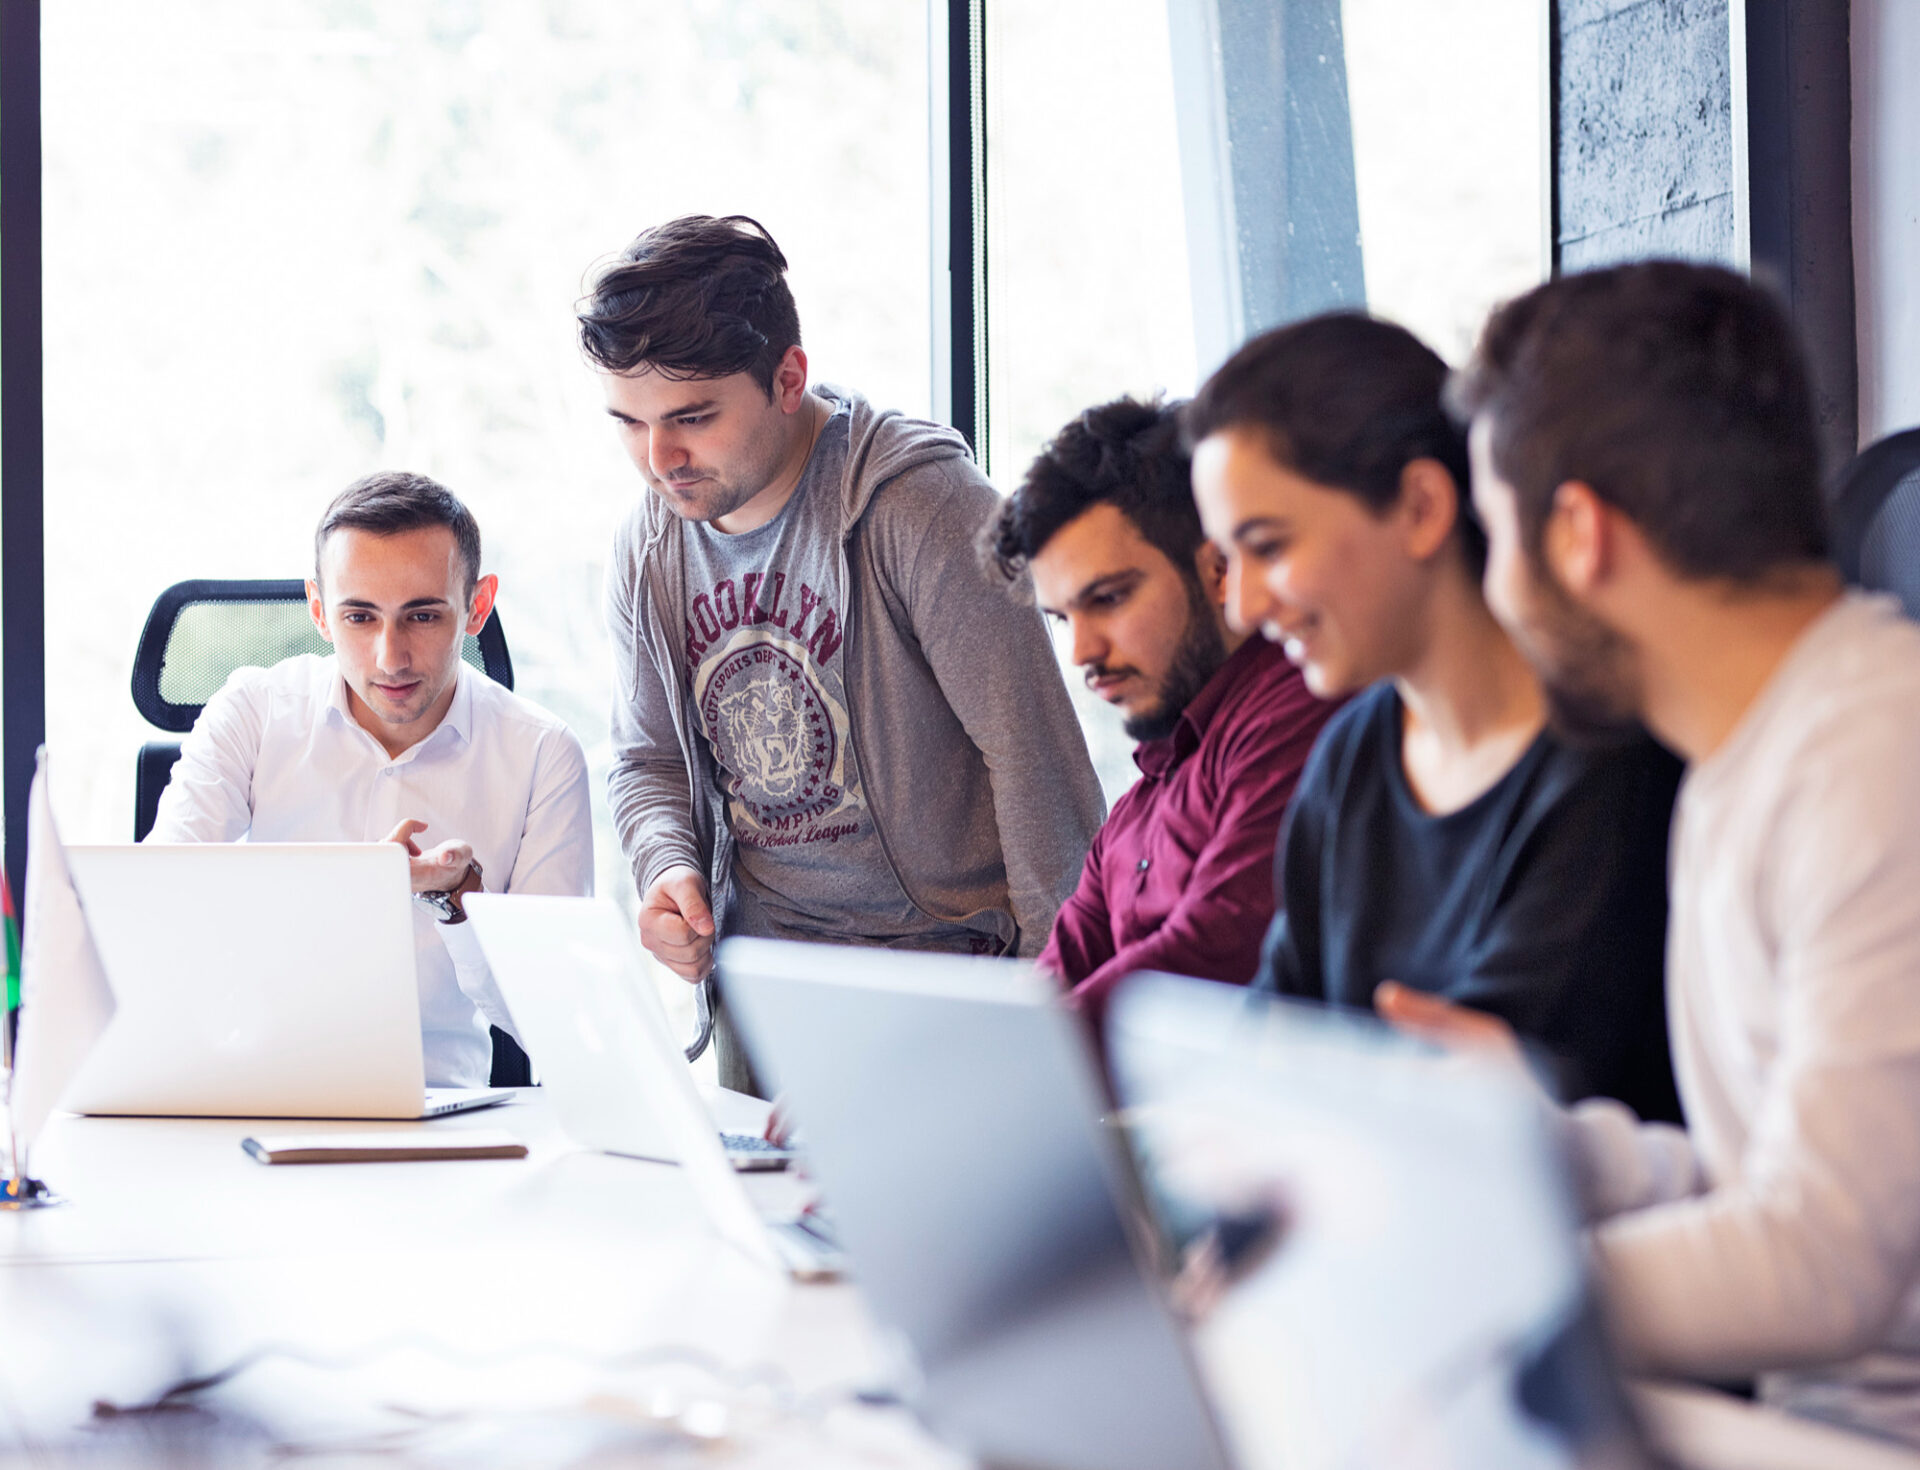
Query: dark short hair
pixel 1126 454
pixel 696 297
pixel 395 501
pixel 1677 391
pixel 1347 401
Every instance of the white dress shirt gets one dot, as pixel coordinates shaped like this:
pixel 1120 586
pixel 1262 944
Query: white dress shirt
pixel 1789 1239
pixel 277 756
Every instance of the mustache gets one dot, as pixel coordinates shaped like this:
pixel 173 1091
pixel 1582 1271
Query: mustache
pixel 1107 671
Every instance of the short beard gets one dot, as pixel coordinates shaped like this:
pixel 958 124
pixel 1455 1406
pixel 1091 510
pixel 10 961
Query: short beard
pixel 1585 670
pixel 1202 650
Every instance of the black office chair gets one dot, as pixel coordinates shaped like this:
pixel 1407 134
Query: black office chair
pixel 200 632
pixel 1874 518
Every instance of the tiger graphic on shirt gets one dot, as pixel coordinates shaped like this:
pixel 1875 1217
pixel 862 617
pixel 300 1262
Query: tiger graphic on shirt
pixel 777 732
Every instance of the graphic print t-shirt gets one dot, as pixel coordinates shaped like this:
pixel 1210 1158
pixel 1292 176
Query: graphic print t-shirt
pixel 765 622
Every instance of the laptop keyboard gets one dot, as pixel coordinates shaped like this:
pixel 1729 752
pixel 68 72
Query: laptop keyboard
pixel 751 1152
pixel 750 1143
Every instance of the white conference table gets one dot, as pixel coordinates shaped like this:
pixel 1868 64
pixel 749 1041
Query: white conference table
pixel 569 1308
pixel 565 1307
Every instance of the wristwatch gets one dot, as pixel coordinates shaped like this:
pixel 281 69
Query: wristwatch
pixel 446 903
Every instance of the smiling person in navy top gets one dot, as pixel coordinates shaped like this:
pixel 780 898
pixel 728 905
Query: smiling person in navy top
pixel 1179 876
pixel 1442 836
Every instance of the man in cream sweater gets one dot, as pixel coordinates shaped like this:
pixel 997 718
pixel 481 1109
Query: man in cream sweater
pixel 1645 462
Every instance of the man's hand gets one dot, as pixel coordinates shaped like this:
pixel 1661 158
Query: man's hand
pixel 676 923
pixel 438 869
pixel 1437 1020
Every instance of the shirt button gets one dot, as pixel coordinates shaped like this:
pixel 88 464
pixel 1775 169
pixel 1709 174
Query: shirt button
pixel 1143 864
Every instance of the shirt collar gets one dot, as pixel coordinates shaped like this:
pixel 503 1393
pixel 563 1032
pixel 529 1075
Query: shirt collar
pixel 459 716
pixel 1156 757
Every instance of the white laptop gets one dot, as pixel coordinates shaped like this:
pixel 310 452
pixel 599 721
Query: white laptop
pixel 575 977
pixel 1408 1286
pixel 256 980
pixel 1409 1295
pixel 953 1115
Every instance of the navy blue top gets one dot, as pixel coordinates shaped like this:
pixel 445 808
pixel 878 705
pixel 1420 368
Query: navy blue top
pixel 1542 901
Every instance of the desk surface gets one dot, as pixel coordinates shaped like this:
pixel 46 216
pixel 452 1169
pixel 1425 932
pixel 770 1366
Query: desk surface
pixel 566 1308
pixel 570 1299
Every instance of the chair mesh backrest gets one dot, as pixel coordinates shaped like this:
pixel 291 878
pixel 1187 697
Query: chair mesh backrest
pixel 200 632
pixel 1890 551
pixel 210 640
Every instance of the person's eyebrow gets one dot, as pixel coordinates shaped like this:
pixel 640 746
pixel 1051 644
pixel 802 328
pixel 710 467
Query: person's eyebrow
pixel 1124 580
pixel 1258 523
pixel 679 411
pixel 371 606
pixel 702 405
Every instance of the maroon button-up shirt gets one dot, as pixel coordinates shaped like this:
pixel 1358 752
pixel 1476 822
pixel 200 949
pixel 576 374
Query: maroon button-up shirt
pixel 1180 877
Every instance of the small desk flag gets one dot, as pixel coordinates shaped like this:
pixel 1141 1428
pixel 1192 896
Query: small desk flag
pixel 65 1001
pixel 13 946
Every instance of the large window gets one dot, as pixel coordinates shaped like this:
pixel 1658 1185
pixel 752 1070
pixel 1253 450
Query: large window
pixel 1087 280
pixel 1167 177
pixel 292 241
pixel 289 242
pixel 1450 160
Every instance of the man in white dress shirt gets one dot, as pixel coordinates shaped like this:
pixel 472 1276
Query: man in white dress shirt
pixel 393 738
pixel 1646 465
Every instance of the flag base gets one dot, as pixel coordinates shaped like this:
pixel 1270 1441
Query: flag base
pixel 27 1194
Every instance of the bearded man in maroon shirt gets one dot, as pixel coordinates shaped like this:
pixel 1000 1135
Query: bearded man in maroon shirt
pixel 1180 877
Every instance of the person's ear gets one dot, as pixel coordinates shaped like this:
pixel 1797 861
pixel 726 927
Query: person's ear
pixel 317 609
pixel 1429 506
pixel 1578 539
pixel 1210 565
pixel 790 380
pixel 485 589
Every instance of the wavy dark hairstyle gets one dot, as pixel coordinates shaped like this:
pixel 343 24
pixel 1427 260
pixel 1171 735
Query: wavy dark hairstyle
pixel 1347 401
pixel 696 297
pixel 396 501
pixel 1126 454
pixel 1677 391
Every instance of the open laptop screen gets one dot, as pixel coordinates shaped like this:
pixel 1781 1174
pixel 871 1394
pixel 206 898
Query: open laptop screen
pixel 1396 1279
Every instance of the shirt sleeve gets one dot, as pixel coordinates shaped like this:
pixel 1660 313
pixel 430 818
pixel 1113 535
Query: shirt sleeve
pixel 1215 929
pixel 1620 1163
pixel 647 788
pixel 209 796
pixel 1807 1252
pixel 555 856
pixel 1082 936
pixel 997 670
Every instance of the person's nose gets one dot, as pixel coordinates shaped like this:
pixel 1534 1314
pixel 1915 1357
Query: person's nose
pixel 1249 600
pixel 665 453
pixel 390 649
pixel 1090 645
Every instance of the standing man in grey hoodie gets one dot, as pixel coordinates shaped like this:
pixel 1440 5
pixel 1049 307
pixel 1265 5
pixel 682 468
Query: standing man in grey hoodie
pixel 830 724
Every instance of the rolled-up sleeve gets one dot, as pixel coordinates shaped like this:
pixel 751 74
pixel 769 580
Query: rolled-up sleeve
pixel 1807 1252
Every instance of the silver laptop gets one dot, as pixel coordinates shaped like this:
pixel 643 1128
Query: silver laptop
pixel 256 980
pixel 954 1117
pixel 576 980
pixel 1387 1253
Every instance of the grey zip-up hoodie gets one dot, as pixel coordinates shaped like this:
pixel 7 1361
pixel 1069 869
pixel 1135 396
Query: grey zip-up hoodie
pixel 974 765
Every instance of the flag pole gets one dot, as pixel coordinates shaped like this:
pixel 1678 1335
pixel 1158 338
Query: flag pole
pixel 8 1038
pixel 21 1191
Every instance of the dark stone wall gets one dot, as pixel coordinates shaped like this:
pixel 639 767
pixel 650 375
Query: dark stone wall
pixel 1644 134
